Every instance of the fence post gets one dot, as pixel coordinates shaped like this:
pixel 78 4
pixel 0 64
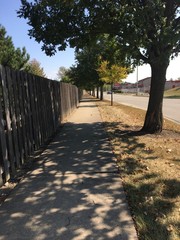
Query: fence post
pixel 23 113
pixel 17 114
pixel 13 117
pixel 28 114
pixel 8 121
pixel 4 166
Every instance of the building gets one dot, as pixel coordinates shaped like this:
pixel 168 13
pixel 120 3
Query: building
pixel 143 86
pixel 172 84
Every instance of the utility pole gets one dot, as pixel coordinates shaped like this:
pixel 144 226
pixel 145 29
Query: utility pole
pixel 137 81
pixel 111 94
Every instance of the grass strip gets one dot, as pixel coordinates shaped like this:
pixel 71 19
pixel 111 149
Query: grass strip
pixel 150 169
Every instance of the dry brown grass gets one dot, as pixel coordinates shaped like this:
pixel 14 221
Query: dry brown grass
pixel 150 169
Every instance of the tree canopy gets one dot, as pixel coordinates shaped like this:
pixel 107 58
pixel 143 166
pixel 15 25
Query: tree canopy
pixel 146 32
pixel 10 56
pixel 142 26
pixel 84 73
pixel 89 59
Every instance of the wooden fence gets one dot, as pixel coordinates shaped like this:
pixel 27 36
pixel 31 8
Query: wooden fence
pixel 70 103
pixel 31 109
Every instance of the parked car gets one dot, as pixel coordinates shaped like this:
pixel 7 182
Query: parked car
pixel 109 92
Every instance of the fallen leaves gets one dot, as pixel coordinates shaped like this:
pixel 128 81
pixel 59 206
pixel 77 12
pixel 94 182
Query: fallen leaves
pixel 149 164
pixel 170 228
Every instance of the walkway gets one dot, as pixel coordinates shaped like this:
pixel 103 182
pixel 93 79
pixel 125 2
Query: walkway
pixel 74 192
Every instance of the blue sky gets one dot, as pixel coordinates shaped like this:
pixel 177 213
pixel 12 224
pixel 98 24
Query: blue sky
pixel 17 28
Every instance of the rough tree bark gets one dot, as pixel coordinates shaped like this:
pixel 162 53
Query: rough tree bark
pixel 154 118
pixel 97 93
pixel 101 92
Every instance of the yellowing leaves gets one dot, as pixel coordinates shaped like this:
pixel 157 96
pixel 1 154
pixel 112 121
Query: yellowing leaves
pixel 111 74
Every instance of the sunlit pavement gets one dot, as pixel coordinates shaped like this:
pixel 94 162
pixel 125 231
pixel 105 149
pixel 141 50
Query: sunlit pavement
pixel 74 192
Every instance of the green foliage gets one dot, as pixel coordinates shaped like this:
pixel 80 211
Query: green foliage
pixel 154 32
pixel 6 48
pixel 9 55
pixel 144 29
pixel 34 67
pixel 84 73
pixel 88 60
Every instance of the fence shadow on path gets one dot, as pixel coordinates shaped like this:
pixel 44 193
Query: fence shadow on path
pixel 73 192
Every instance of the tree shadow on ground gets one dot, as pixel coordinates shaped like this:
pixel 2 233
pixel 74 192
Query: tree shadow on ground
pixel 72 192
pixel 149 207
pixel 90 99
pixel 151 212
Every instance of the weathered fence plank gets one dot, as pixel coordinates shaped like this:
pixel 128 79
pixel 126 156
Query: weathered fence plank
pixel 37 116
pixel 29 115
pixel 31 109
pixel 17 113
pixel 40 110
pixel 26 113
pixel 13 117
pixel 33 113
pixel 4 164
pixel 22 110
pixel 8 122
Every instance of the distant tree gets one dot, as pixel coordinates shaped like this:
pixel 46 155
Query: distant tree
pixel 86 65
pixel 89 58
pixel 6 48
pixel 21 58
pixel 9 55
pixel 62 74
pixel 35 68
pixel 111 74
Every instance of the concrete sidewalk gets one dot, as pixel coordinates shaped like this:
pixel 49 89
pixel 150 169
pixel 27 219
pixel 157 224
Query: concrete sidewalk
pixel 75 191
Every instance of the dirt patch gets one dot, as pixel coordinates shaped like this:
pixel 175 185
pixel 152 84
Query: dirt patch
pixel 150 169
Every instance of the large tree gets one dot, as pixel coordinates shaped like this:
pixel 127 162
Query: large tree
pixel 148 31
pixel 10 56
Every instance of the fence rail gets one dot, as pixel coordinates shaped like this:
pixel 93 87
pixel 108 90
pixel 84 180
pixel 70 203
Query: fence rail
pixel 31 109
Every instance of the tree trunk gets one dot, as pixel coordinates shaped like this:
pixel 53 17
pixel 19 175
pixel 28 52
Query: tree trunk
pixel 93 92
pixel 101 92
pixel 97 93
pixel 154 118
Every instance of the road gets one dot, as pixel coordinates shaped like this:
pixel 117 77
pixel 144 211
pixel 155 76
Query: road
pixel 171 107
